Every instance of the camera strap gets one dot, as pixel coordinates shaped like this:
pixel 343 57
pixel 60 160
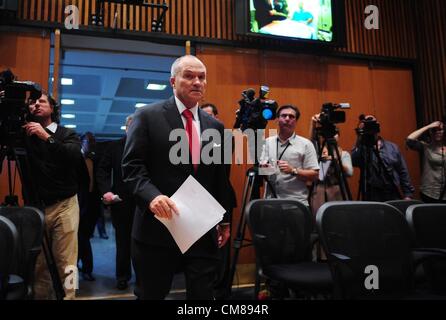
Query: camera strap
pixel 277 148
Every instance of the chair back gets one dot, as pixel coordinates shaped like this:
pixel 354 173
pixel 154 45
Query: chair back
pixel 402 205
pixel 8 246
pixel 280 230
pixel 428 222
pixel 358 236
pixel 29 223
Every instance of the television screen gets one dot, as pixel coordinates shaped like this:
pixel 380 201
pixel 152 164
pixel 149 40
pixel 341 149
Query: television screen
pixel 313 20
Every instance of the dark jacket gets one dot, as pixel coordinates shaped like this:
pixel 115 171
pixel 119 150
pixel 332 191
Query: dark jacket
pixel 57 168
pixel 146 166
pixel 109 171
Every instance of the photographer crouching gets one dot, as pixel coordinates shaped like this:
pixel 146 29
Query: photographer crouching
pixel 384 174
pixel 55 158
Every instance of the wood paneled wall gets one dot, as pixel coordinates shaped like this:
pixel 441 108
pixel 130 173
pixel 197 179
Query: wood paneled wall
pixel 28 57
pixel 431 59
pixel 215 19
pixel 409 29
pixel 308 82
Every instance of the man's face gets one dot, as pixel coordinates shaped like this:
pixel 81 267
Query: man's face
pixel 209 111
pixel 287 120
pixel 41 108
pixel 189 84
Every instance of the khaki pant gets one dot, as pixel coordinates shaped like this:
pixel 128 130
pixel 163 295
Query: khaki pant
pixel 61 225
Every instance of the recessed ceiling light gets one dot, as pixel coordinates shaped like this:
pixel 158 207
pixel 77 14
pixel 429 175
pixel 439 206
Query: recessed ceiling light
pixel 123 127
pixel 66 81
pixel 70 126
pixel 68 116
pixel 156 86
pixel 67 101
pixel 140 104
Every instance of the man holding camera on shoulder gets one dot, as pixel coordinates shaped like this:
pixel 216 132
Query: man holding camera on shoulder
pixel 55 158
pixel 296 158
pixel 384 173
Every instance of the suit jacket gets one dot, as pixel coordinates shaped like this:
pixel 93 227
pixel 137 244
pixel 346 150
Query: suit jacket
pixel 146 166
pixel 109 171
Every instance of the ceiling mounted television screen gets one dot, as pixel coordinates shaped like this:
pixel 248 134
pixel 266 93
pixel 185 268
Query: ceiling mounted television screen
pixel 318 21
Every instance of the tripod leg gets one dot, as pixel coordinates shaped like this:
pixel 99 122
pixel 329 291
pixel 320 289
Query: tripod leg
pixel 241 228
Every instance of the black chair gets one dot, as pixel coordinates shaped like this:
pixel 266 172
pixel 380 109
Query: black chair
pixel 357 235
pixel 402 205
pixel 29 222
pixel 280 232
pixel 8 246
pixel 428 222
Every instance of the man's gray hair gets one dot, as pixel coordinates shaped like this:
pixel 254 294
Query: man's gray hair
pixel 176 64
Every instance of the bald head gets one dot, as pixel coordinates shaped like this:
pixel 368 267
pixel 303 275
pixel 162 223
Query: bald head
pixel 188 80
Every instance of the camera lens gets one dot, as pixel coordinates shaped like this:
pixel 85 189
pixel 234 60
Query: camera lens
pixel 267 114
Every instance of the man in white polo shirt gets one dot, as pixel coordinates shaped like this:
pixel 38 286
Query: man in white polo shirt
pixel 295 156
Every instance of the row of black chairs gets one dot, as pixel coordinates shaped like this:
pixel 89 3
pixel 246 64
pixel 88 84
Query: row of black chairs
pixel 21 234
pixel 373 249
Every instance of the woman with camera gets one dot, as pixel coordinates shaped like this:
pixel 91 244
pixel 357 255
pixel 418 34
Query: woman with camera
pixel 327 187
pixel 433 178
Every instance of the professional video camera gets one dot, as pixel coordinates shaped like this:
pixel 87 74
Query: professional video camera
pixel 329 117
pixel 254 113
pixel 367 130
pixel 15 97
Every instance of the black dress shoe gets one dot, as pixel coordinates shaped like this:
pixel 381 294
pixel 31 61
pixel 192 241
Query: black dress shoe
pixel 88 277
pixel 121 285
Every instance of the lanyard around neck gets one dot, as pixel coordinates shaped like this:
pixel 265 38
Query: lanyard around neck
pixel 277 148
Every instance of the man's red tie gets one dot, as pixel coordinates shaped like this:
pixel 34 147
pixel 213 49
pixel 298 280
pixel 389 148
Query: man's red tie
pixel 194 141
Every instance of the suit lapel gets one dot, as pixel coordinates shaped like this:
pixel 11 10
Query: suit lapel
pixel 172 115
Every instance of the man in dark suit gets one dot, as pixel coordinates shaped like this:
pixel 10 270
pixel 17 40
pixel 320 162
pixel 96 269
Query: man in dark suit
pixel 122 205
pixel 147 166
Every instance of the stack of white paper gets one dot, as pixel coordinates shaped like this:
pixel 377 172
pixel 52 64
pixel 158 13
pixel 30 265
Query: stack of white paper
pixel 199 212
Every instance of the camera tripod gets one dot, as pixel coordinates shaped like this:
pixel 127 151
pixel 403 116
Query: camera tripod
pixel 250 191
pixel 368 149
pixel 333 151
pixel 31 198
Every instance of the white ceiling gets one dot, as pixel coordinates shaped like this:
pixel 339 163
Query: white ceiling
pixel 109 77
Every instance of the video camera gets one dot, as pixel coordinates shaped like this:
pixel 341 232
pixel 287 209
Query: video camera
pixel 15 97
pixel 368 129
pixel 328 117
pixel 254 113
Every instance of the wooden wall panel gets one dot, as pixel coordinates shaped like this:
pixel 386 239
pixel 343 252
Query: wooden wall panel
pixel 308 82
pixel 28 57
pixel 431 44
pixel 215 19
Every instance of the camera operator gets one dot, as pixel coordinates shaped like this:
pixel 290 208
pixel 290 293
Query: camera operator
pixel 296 158
pixel 327 186
pixel 434 163
pixel 55 159
pixel 386 179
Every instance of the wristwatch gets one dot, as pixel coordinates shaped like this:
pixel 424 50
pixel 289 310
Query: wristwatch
pixel 294 171
pixel 50 140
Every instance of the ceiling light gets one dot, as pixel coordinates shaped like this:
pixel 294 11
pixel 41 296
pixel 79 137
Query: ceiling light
pixel 140 104
pixel 155 86
pixel 70 126
pixel 66 81
pixel 68 116
pixel 67 101
pixel 123 127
